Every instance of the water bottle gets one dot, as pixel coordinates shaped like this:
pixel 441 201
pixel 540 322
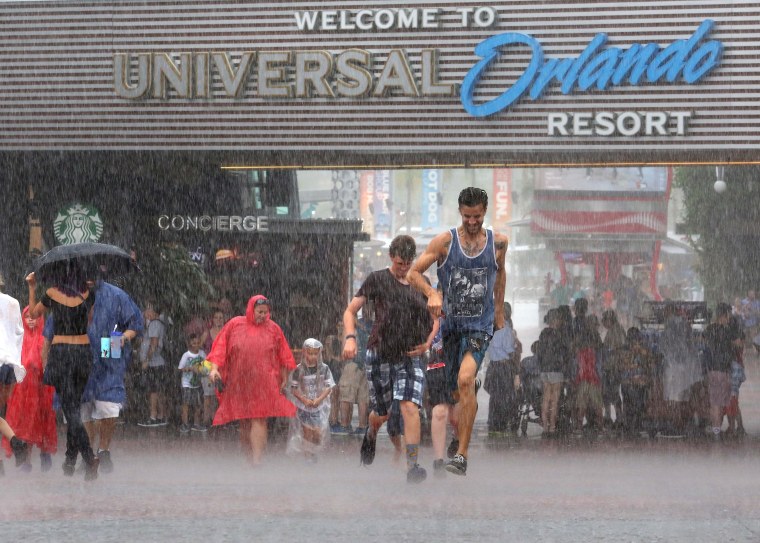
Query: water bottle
pixel 116 344
pixel 105 347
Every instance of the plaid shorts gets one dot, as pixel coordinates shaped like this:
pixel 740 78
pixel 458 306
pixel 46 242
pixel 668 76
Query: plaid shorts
pixel 401 380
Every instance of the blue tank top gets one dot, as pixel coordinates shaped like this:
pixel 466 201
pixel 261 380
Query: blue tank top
pixel 467 283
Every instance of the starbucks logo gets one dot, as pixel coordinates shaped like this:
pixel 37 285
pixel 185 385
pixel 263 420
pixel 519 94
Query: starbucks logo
pixel 77 224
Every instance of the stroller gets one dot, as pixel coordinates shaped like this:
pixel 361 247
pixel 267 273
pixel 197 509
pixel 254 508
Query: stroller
pixel 658 418
pixel 530 393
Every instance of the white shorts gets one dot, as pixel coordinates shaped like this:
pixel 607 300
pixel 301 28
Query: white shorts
pixel 97 410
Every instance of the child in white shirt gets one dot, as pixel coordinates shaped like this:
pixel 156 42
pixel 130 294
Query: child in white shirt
pixel 191 367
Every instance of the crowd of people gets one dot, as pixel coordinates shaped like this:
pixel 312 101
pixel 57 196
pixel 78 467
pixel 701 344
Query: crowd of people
pixel 405 351
pixel 588 375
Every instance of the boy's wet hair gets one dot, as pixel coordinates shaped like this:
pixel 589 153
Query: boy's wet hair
pixel 404 247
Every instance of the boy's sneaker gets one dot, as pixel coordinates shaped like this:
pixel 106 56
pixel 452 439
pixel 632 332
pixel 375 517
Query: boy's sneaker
pixel 341 430
pixel 150 423
pixel 199 428
pixel 359 430
pixel 20 450
pixel 161 422
pixel 367 451
pixel 184 428
pixel 453 448
pixel 416 474
pixel 457 465
pixel 106 464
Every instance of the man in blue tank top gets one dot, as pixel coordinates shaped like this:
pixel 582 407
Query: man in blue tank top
pixel 472 277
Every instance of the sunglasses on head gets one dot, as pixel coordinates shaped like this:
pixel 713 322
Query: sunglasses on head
pixel 261 301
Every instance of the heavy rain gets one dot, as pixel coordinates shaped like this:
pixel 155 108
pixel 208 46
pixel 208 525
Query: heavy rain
pixel 246 295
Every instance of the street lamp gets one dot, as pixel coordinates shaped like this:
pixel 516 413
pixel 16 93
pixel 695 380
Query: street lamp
pixel 720 184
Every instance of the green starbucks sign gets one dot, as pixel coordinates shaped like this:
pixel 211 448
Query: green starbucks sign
pixel 78 223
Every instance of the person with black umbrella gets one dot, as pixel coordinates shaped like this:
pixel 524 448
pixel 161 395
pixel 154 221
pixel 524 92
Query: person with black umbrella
pixel 70 360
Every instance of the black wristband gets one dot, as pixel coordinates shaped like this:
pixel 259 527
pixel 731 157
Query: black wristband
pixel 350 336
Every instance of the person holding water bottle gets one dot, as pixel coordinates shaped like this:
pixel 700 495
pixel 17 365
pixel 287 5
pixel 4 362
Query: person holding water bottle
pixel 116 321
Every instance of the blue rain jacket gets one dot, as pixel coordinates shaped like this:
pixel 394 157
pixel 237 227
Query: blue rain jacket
pixel 113 310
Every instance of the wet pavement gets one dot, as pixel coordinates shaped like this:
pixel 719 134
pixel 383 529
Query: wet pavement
pixel 198 488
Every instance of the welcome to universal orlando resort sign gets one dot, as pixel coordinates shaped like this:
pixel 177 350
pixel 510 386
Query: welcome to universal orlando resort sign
pixel 386 82
pixel 349 74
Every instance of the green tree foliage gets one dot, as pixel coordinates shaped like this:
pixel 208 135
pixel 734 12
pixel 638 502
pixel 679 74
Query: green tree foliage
pixel 724 228
pixel 173 281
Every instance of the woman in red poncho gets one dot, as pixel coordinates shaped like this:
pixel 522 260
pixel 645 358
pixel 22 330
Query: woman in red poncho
pixel 252 358
pixel 30 408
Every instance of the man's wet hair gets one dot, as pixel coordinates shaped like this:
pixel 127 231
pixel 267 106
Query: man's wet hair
pixel 722 309
pixel 634 335
pixel 472 196
pixel 581 307
pixel 552 315
pixel 404 247
pixel 609 317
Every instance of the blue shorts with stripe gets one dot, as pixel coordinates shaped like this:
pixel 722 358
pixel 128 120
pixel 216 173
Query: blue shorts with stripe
pixel 456 345
pixel 401 379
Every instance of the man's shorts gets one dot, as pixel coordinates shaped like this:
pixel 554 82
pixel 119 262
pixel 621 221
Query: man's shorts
pixel 98 410
pixel 588 395
pixel 336 368
pixel 455 345
pixel 719 388
pixel 552 377
pixel 353 384
pixel 7 375
pixel 310 418
pixel 192 396
pixel 401 380
pixel 156 378
pixel 437 383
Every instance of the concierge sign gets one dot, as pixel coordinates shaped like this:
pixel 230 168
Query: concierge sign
pixel 384 82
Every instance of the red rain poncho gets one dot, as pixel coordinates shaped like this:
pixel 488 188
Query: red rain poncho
pixel 30 407
pixel 250 357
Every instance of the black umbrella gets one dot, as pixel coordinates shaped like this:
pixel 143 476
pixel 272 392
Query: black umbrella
pixel 56 264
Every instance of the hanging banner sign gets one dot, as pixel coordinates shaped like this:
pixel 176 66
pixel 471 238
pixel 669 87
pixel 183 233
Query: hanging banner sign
pixel 431 199
pixel 366 199
pixel 502 198
pixel 381 204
